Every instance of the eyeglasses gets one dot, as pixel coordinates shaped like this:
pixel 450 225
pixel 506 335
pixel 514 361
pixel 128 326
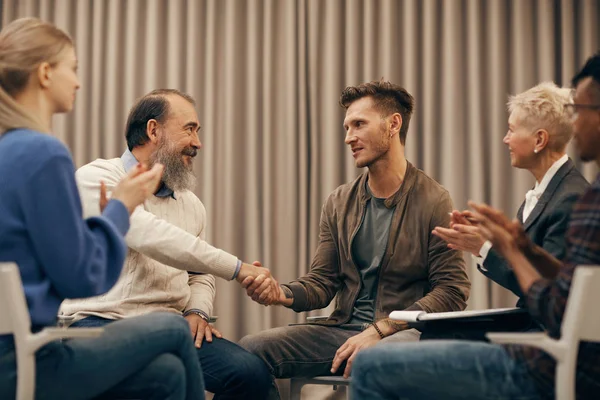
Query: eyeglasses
pixel 573 109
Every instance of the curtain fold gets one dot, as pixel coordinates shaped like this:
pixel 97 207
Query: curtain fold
pixel 267 75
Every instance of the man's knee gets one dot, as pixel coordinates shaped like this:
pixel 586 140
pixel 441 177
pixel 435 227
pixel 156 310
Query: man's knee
pixel 271 346
pixel 274 344
pixel 255 344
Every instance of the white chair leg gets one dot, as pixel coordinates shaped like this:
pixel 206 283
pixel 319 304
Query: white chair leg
pixel 565 380
pixel 296 389
pixel 25 376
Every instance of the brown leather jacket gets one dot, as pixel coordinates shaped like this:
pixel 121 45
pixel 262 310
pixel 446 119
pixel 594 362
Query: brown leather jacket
pixel 418 271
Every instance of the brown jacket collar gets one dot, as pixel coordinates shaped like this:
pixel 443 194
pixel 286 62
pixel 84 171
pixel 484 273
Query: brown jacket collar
pixel 392 201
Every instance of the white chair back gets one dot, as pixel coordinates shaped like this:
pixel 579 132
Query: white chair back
pixel 14 314
pixel 14 318
pixel 582 320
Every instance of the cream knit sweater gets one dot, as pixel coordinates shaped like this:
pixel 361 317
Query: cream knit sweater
pixel 166 239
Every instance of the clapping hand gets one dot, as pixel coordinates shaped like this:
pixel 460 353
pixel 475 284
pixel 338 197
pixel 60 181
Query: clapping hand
pixel 462 234
pixel 139 184
pixel 505 235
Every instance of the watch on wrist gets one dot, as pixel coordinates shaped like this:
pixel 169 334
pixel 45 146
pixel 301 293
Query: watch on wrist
pixel 198 313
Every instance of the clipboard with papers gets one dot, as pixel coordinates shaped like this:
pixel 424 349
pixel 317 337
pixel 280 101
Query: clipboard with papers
pixel 421 317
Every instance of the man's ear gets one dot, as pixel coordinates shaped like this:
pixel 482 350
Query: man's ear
pixel 44 74
pixel 152 130
pixel 395 124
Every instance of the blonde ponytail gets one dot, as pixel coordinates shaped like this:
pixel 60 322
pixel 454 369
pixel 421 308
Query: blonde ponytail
pixel 13 115
pixel 24 44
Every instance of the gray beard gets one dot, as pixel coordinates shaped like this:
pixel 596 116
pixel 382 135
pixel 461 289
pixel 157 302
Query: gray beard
pixel 177 176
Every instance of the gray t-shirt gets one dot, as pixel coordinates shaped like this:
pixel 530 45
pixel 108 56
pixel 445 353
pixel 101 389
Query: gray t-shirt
pixel 368 248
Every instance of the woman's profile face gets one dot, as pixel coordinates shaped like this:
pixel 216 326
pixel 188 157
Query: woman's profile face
pixel 63 81
pixel 520 141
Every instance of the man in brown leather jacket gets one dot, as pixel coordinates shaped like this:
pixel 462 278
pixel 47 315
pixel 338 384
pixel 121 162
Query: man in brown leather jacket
pixel 376 250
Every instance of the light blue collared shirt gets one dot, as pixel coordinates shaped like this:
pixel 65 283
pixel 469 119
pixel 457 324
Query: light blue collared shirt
pixel 129 161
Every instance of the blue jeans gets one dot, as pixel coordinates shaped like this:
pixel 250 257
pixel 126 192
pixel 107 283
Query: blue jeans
pixel 150 357
pixel 230 372
pixel 440 370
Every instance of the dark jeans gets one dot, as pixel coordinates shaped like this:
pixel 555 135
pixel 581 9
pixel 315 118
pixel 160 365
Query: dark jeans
pixel 148 357
pixel 230 372
pixel 298 350
pixel 440 369
pixel 306 350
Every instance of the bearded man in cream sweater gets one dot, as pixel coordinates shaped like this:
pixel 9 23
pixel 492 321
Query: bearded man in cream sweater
pixel 170 267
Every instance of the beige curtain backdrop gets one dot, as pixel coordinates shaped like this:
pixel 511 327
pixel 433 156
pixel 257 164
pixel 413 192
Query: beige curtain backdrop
pixel 267 75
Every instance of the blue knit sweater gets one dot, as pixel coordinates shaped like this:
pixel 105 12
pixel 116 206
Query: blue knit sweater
pixel 60 255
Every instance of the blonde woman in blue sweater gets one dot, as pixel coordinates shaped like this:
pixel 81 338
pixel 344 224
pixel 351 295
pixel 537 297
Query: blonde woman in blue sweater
pixel 59 254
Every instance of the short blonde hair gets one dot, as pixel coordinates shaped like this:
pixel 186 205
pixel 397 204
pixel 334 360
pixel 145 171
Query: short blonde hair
pixel 542 107
pixel 24 44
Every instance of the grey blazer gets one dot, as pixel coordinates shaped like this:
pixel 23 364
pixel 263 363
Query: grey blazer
pixel 546 225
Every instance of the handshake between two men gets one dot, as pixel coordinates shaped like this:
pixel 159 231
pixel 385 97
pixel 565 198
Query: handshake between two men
pixel 261 286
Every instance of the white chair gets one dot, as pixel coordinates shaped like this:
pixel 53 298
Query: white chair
pixel 15 320
pixel 296 384
pixel 581 322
